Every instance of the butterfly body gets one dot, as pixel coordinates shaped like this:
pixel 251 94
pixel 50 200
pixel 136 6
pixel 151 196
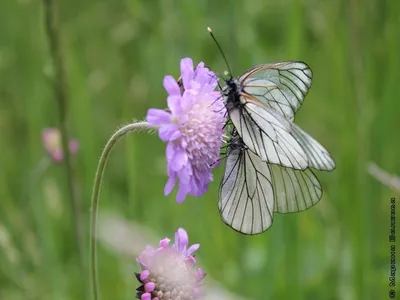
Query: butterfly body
pixel 232 92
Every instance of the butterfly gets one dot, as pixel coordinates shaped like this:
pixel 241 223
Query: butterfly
pixel 262 104
pixel 252 190
pixel 268 155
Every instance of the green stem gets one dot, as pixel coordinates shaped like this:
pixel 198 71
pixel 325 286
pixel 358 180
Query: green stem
pixel 96 194
pixel 53 30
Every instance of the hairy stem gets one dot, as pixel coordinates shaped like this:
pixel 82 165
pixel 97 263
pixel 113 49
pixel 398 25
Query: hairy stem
pixel 60 91
pixel 96 196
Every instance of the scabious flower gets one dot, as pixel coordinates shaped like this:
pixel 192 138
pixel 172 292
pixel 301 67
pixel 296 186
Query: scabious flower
pixel 51 138
pixel 193 128
pixel 169 272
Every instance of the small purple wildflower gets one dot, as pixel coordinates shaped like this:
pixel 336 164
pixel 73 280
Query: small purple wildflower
pixel 52 143
pixel 169 272
pixel 193 128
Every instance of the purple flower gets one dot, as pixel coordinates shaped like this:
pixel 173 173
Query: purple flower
pixel 169 272
pixel 193 128
pixel 52 143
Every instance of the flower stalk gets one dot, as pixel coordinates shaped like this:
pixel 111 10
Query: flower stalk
pixel 96 196
pixel 53 31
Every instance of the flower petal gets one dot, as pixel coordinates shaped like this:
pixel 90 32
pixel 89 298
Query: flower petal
pixel 192 249
pixel 174 104
pixel 183 191
pixel 200 274
pixel 164 242
pixel 158 117
pixel 200 65
pixel 190 260
pixel 170 152
pixel 171 86
pixel 168 132
pixel 169 185
pixel 181 239
pixel 185 175
pixel 188 100
pixel 179 160
pixel 187 72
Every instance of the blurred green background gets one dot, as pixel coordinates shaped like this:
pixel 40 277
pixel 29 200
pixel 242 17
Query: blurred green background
pixel 116 54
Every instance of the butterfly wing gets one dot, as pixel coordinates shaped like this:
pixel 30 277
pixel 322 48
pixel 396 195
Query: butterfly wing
pixel 246 201
pixel 318 157
pixel 277 140
pixel 268 134
pixel 281 86
pixel 294 190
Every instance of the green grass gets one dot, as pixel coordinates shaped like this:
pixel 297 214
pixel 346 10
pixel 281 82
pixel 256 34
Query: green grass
pixel 116 55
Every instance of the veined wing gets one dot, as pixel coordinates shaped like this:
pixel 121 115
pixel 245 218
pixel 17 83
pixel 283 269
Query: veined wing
pixel 268 134
pixel 246 201
pixel 318 157
pixel 281 86
pixel 294 190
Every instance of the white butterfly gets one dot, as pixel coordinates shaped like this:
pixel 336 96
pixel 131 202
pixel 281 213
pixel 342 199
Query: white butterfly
pixel 252 190
pixel 268 156
pixel 262 104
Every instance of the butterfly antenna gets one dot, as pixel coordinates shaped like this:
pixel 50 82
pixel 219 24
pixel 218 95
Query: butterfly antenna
pixel 220 50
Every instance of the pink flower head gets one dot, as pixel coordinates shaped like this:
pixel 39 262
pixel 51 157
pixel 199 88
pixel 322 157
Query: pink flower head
pixel 169 272
pixel 193 128
pixel 52 143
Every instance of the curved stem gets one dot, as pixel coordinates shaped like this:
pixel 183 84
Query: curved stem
pixel 96 193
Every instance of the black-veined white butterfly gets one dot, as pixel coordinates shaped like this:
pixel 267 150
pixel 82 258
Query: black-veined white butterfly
pixel 268 156
pixel 262 104
pixel 252 190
